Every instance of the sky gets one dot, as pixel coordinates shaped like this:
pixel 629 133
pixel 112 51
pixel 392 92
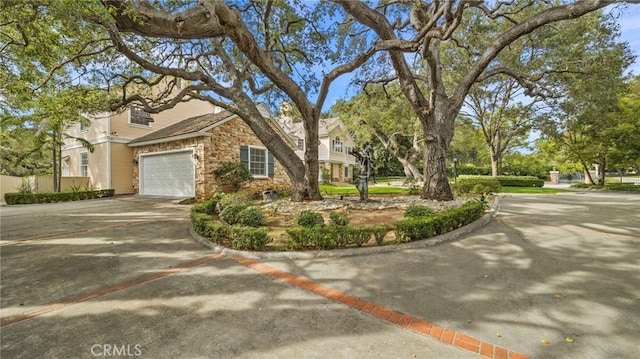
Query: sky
pixel 629 32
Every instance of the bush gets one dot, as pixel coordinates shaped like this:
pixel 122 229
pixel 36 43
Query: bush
pixel 216 231
pixel 252 217
pixel 230 213
pixel 235 174
pixel 309 219
pixel 199 222
pixel 417 211
pixel 412 229
pixel 31 198
pixel 379 232
pixel 250 238
pixel 520 181
pixel 207 207
pixel 358 235
pixel 236 198
pixel 478 184
pixel 338 219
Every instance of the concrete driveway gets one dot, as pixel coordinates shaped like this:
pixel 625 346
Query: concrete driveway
pixel 123 277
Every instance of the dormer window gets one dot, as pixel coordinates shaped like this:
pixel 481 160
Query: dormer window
pixel 138 116
pixel 337 144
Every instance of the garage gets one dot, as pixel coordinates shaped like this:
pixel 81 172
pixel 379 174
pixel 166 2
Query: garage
pixel 170 173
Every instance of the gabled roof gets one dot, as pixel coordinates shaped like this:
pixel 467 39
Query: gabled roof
pixel 191 127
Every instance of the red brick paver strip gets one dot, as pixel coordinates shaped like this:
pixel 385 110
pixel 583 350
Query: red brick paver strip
pixel 448 336
pixel 48 308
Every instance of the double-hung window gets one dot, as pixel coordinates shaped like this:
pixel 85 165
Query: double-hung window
pixel 337 144
pixel 138 116
pixel 84 164
pixel 258 161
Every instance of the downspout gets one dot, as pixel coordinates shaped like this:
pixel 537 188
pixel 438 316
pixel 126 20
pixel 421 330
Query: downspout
pixel 109 186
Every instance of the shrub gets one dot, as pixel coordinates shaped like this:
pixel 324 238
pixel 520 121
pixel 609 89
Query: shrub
pixel 417 211
pixel 31 198
pixel 216 231
pixel 478 184
pixel 309 219
pixel 230 213
pixel 250 238
pixel 338 219
pixel 199 222
pixel 297 237
pixel 412 229
pixel 520 181
pixel 358 235
pixel 379 232
pixel 236 198
pixel 252 217
pixel 207 207
pixel 235 174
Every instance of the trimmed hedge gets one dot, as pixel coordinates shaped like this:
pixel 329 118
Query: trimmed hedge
pixel 321 237
pixel 478 184
pixel 626 187
pixel 520 181
pixel 250 238
pixel 413 229
pixel 49 197
pixel 207 207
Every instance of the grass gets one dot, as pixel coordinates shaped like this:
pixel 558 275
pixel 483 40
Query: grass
pixel 332 190
pixel 533 190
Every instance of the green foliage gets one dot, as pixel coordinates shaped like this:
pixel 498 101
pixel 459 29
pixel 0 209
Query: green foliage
pixel 250 238
pixel 327 237
pixel 413 229
pixel 625 187
pixel 309 218
pixel 251 217
pixel 236 198
pixel 235 174
pixel 31 198
pixel 412 184
pixel 230 214
pixel 417 211
pixel 326 175
pixel 338 218
pixel 216 231
pixel 380 231
pixel 478 184
pixel 199 222
pixel 207 207
pixel 520 181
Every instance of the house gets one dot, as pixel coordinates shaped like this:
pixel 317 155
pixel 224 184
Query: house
pixel 172 153
pixel 334 150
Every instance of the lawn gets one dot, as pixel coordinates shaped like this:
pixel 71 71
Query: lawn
pixel 332 190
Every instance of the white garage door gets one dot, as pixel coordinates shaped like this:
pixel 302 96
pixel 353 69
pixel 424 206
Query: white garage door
pixel 168 174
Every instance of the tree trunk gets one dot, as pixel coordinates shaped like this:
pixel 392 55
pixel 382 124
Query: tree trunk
pixel 311 189
pixel 436 183
pixel 587 173
pixel 495 162
pixel 56 187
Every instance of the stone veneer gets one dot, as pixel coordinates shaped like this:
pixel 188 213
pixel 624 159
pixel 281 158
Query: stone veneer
pixel 222 146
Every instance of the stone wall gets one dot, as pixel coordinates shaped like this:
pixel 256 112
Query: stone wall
pixel 223 146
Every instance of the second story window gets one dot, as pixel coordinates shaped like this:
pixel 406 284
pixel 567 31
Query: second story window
pixel 83 126
pixel 347 150
pixel 138 116
pixel 301 144
pixel 337 144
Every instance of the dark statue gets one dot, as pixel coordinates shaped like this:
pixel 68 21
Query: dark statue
pixel 364 156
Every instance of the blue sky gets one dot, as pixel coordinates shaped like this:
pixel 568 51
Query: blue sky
pixel 630 33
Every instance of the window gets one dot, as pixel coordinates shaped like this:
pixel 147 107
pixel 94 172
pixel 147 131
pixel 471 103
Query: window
pixel 83 126
pixel 258 161
pixel 346 171
pixel 347 150
pixel 301 144
pixel 337 144
pixel 84 164
pixel 138 116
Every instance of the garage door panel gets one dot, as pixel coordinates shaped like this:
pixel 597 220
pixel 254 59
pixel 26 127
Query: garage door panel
pixel 168 174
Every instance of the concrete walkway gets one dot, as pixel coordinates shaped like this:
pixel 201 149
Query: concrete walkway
pixel 122 276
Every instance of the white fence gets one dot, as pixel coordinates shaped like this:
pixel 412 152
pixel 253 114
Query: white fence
pixel 40 184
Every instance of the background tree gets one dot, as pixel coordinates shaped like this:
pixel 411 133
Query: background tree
pixel 586 117
pixel 422 27
pixel 382 114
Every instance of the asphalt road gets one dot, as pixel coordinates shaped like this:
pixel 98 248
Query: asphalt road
pixel 124 277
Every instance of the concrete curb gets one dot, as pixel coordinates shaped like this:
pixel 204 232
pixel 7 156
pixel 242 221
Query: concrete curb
pixel 348 252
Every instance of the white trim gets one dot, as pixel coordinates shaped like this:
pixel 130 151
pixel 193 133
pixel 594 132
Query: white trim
pixel 170 139
pixel 138 125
